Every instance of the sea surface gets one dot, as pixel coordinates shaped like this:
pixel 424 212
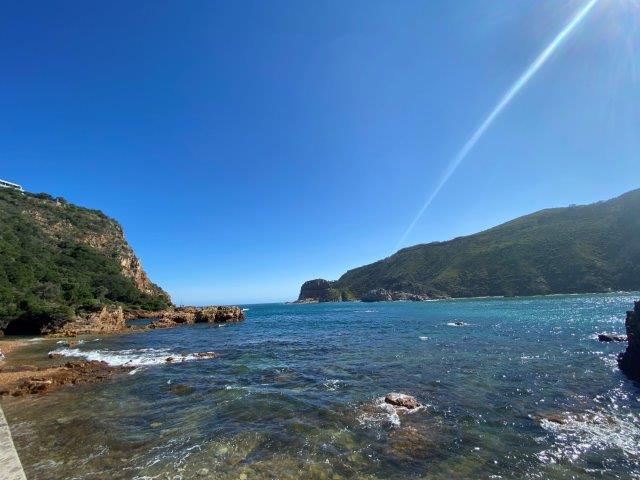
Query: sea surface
pixel 295 394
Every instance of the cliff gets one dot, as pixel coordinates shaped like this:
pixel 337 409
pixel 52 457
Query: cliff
pixel 629 360
pixel 576 249
pixel 59 261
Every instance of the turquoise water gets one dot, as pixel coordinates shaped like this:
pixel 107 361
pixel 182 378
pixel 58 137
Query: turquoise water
pixel 294 394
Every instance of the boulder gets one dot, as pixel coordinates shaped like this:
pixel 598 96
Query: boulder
pixel 402 400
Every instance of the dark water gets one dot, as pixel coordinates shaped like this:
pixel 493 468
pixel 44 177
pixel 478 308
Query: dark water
pixel 294 394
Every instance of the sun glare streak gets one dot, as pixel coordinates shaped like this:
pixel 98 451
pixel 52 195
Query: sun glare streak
pixel 506 99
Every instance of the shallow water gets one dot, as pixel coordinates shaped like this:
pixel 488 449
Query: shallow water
pixel 294 394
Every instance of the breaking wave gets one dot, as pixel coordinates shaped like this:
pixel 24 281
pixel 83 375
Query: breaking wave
pixel 134 357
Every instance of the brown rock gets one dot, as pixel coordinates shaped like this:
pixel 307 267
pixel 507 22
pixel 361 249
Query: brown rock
pixel 402 400
pixel 32 380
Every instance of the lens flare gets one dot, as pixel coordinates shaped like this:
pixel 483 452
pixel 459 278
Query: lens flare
pixel 502 104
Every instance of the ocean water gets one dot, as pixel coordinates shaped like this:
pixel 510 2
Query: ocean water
pixel 295 394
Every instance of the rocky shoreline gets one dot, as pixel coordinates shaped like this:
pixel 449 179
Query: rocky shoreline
pixel 114 320
pixel 19 380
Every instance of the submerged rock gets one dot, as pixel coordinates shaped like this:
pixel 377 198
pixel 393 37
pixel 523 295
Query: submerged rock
pixel 181 389
pixel 629 360
pixel 27 380
pixel 610 337
pixel 402 400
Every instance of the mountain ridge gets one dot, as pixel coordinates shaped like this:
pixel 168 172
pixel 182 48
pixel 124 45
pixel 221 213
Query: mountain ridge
pixel 575 249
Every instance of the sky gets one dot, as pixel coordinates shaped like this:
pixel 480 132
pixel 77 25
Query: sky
pixel 248 146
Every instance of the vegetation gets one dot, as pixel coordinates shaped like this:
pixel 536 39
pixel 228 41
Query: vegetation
pixel 577 249
pixel 58 260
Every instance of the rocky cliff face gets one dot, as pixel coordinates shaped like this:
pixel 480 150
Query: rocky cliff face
pixel 63 221
pixel 629 360
pixel 317 290
pixel 60 262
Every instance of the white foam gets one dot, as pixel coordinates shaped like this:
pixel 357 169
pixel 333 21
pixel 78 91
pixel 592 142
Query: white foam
pixel 593 431
pixel 385 414
pixel 332 384
pixel 424 339
pixel 139 357
pixel 457 324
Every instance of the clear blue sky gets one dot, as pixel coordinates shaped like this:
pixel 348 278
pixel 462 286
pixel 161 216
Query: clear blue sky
pixel 247 146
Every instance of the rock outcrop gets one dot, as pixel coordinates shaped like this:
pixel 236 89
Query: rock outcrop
pixel 25 380
pixel 611 337
pixel 383 295
pixel 107 320
pixel 629 360
pixel 191 315
pixel 320 290
pixel 113 320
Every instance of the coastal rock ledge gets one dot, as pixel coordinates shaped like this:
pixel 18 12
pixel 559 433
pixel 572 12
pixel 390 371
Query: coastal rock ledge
pixel 113 319
pixel 629 360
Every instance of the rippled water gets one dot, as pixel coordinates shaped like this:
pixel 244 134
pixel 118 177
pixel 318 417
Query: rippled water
pixel 294 394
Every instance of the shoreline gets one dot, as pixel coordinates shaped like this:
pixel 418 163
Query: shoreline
pixel 451 299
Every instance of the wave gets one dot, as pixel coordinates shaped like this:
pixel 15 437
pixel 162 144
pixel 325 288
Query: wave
pixel 610 427
pixel 424 339
pixel 133 357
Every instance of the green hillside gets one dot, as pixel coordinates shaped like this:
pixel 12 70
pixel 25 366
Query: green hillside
pixel 58 260
pixel 589 248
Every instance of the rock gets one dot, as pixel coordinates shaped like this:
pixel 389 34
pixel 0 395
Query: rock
pixel 320 290
pixel 384 295
pixel 629 360
pixel 155 424
pixel 459 324
pixel 377 295
pixel 402 400
pixel 410 297
pixel 205 355
pixel 190 315
pixel 203 472
pixel 610 337
pixel 44 379
pixel 107 320
pixel 181 389
pixel 55 355
pixel 554 417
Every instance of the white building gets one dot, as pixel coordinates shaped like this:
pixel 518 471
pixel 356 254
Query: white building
pixel 15 186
